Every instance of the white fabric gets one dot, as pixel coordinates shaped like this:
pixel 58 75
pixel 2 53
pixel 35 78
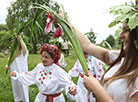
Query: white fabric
pixel 96 69
pixel 62 62
pixel 65 44
pixel 118 90
pixel 20 91
pixel 50 80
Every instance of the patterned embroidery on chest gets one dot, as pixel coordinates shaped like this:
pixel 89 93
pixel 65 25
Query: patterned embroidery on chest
pixel 45 74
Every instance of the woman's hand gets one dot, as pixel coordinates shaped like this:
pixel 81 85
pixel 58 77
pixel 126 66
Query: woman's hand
pixel 13 74
pixel 90 81
pixel 73 90
pixel 19 36
pixel 7 67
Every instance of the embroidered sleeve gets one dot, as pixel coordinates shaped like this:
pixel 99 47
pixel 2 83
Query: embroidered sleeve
pixel 65 82
pixel 74 72
pixel 98 69
pixel 27 78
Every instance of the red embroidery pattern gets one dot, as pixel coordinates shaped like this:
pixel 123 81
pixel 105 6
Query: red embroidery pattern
pixel 45 74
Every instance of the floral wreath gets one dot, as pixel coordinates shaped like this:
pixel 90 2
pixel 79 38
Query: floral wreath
pixel 53 29
pixel 126 13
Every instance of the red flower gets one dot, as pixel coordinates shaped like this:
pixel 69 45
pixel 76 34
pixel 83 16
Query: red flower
pixel 48 24
pixel 57 32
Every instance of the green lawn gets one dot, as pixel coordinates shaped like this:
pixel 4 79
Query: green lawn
pixel 6 94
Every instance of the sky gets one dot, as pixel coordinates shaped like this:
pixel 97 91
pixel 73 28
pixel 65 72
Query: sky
pixel 84 14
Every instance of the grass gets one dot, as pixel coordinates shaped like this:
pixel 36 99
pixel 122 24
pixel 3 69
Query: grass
pixel 6 94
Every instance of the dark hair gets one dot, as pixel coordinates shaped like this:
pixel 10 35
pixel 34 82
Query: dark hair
pixel 85 52
pixel 129 68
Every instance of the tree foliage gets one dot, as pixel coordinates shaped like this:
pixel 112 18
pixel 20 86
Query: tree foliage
pixel 22 10
pixel 111 40
pixel 91 36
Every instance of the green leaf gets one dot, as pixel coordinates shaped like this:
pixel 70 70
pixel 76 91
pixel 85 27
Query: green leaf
pixel 133 21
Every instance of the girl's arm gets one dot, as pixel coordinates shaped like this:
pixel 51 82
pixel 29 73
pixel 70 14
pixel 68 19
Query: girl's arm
pixel 74 72
pixel 22 45
pixel 27 78
pixel 93 85
pixel 87 46
pixel 134 98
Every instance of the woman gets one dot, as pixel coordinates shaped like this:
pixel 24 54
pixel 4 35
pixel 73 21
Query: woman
pixel 49 77
pixel 95 67
pixel 20 91
pixel 120 82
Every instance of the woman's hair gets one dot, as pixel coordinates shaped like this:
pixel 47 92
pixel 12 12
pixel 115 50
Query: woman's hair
pixel 129 68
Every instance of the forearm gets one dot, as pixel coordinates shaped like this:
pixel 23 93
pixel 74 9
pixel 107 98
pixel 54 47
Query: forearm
pixel 23 46
pixel 101 94
pixel 87 46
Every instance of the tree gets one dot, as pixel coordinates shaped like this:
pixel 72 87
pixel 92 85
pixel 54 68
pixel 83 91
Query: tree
pixel 22 10
pixel 3 27
pixel 5 39
pixel 91 36
pixel 111 40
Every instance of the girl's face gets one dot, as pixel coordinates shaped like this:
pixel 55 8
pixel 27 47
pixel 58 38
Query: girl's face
pixel 124 36
pixel 86 55
pixel 46 59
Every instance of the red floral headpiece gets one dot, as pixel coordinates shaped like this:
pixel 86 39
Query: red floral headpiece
pixel 53 51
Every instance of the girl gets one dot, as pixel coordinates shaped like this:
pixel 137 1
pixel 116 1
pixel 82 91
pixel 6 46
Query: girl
pixel 95 67
pixel 20 91
pixel 49 77
pixel 120 82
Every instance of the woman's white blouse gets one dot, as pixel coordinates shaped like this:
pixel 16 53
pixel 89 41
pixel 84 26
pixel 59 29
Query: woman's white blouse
pixel 50 80
pixel 118 89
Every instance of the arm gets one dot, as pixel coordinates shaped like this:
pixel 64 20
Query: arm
pixel 93 85
pixel 27 78
pixel 134 98
pixel 74 72
pixel 98 68
pixel 22 45
pixel 65 81
pixel 87 46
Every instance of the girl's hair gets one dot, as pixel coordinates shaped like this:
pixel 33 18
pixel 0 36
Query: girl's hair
pixel 129 68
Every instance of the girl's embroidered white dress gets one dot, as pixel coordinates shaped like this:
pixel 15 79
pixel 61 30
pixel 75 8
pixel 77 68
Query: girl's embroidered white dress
pixel 95 68
pixel 20 91
pixel 50 80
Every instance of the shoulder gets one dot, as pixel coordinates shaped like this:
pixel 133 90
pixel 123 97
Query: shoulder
pixel 39 65
pixel 58 70
pixel 113 54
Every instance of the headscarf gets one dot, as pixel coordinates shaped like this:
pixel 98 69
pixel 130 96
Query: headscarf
pixel 53 51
